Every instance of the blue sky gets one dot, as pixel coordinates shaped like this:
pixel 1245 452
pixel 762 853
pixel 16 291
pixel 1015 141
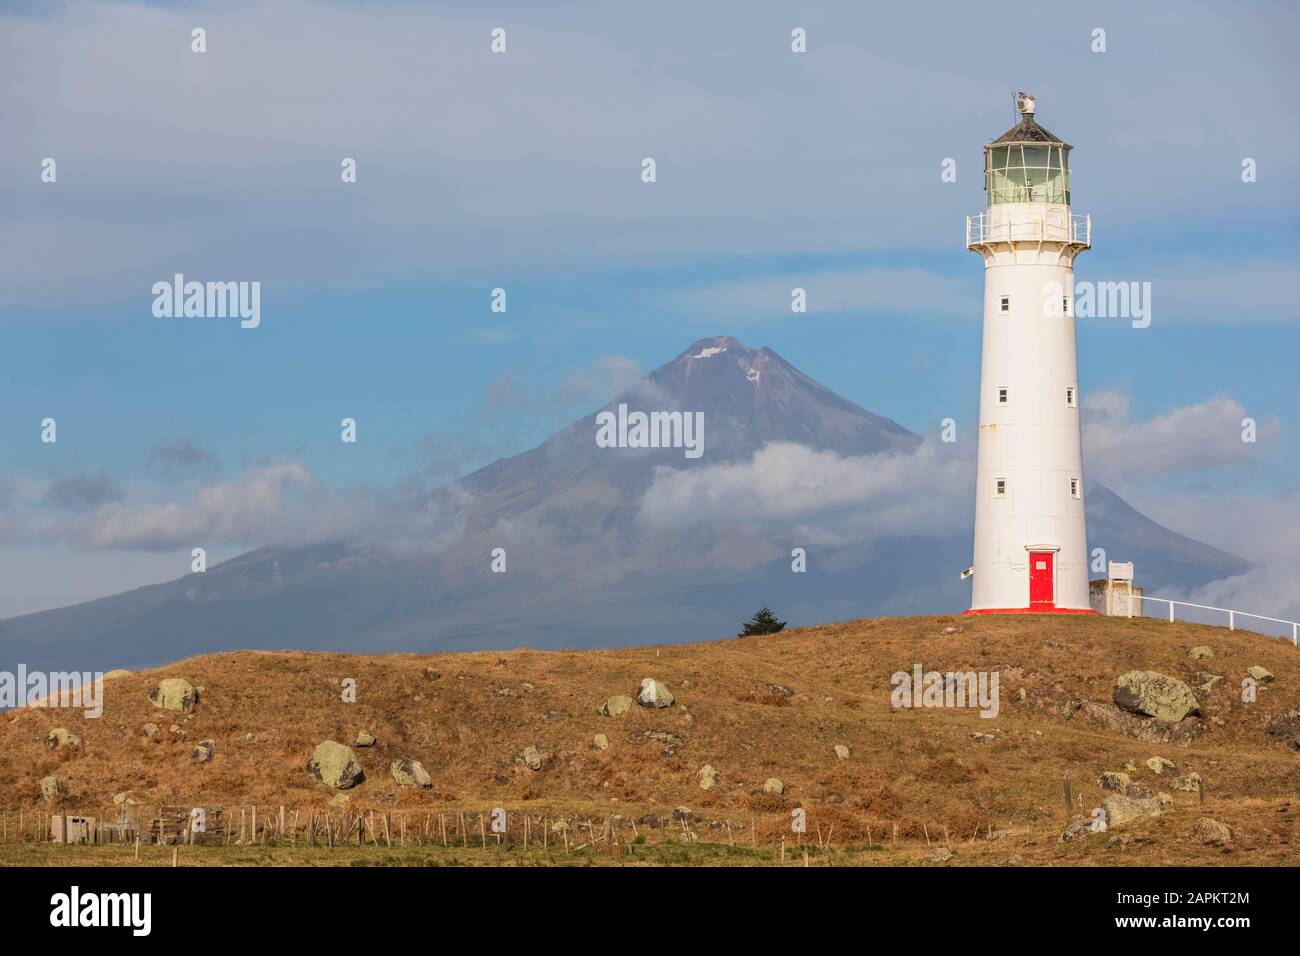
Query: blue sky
pixel 522 170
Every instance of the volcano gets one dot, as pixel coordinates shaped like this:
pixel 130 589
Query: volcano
pixel 600 546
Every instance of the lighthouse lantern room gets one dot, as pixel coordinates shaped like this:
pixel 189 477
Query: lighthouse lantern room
pixel 1030 539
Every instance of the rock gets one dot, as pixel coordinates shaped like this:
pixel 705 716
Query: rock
pixel 781 690
pixel 1211 832
pixel 174 694
pixel 1118 782
pixel 1160 764
pixel 364 739
pixel 116 673
pixel 62 737
pixel 1208 681
pixel 773 785
pixel 1191 783
pixel 1118 842
pixel 204 750
pixel 1076 828
pixel 410 773
pixel 613 706
pixel 952 629
pixel 532 758
pixel 1201 653
pixel 681 814
pixel 600 742
pixel 123 799
pixel 941 855
pixel 654 694
pixel 707 776
pixel 982 738
pixel 841 752
pixel 335 765
pixel 151 732
pixel 1285 728
pixel 431 674
pixel 52 788
pixel 1153 694
pixel 1260 674
pixel 176 732
pixel 1121 809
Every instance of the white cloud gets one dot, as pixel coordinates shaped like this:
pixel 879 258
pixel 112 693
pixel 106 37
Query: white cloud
pixel 821 497
pixel 1185 441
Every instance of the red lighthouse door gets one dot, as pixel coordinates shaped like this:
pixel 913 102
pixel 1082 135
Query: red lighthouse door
pixel 1042 592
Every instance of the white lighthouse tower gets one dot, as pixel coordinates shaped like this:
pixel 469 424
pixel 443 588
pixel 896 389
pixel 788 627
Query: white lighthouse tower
pixel 1030 540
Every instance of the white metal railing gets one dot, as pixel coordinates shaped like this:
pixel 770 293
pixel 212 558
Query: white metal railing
pixel 1049 228
pixel 1232 615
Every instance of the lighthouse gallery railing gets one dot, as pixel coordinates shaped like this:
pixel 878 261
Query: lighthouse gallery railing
pixel 1048 227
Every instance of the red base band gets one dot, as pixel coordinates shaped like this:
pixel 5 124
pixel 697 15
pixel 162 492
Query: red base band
pixel 1026 610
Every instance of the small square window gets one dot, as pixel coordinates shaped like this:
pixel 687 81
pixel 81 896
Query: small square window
pixel 1000 488
pixel 1065 305
pixel 1074 487
pixel 1006 303
pixel 1002 396
pixel 1069 397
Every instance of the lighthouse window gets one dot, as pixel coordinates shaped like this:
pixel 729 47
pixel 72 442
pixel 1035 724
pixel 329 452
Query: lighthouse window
pixel 1000 488
pixel 1002 396
pixel 1074 487
pixel 1065 305
pixel 1006 303
pixel 1027 173
pixel 1069 397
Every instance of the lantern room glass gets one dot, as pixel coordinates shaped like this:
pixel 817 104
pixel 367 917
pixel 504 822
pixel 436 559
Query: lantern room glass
pixel 1027 172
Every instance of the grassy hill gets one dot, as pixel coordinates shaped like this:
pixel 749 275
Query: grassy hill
pixel 753 708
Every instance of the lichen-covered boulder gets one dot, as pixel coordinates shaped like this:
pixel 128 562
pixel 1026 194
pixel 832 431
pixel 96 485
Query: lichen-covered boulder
pixel 174 694
pixel 52 788
pixel 773 785
pixel 1118 781
pixel 707 776
pixel 176 732
pixel 1190 782
pixel 841 752
pixel 1160 764
pixel 1121 809
pixel 532 758
pixel 151 731
pixel 1151 694
pixel 203 750
pixel 364 739
pixel 1211 832
pixel 600 742
pixel 618 704
pixel 1201 653
pixel 123 799
pixel 653 693
pixel 1260 674
pixel 61 738
pixel 410 773
pixel 335 765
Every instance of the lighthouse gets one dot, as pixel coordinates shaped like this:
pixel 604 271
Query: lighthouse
pixel 1030 539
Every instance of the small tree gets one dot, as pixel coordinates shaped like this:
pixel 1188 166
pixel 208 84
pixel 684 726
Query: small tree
pixel 763 622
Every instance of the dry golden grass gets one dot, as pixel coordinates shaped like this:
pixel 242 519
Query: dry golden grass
pixel 917 770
